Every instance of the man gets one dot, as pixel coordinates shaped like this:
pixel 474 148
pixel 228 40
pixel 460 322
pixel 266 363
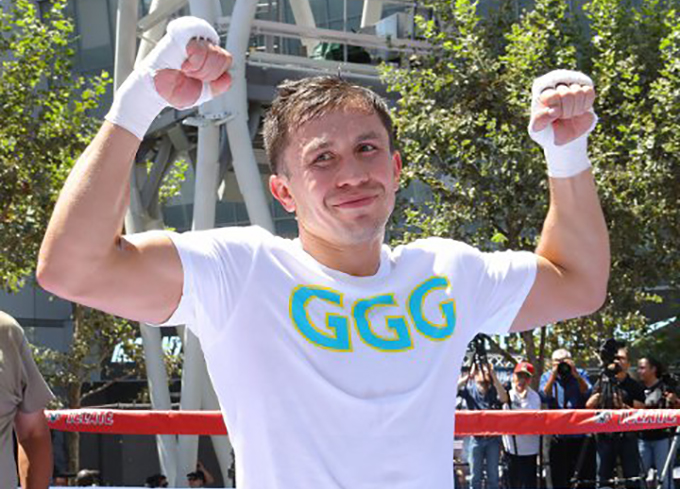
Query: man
pixel 331 354
pixel 481 390
pixel 156 480
pixel 565 386
pixel 88 478
pixel 23 397
pixel 655 445
pixel 196 479
pixel 617 390
pixel 522 450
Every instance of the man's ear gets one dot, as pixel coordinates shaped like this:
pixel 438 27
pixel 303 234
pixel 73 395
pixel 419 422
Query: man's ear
pixel 278 186
pixel 396 161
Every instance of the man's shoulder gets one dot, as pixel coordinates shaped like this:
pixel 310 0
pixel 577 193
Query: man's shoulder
pixel 9 327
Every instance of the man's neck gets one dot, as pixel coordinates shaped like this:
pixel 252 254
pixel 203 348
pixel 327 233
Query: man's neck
pixel 651 382
pixel 361 259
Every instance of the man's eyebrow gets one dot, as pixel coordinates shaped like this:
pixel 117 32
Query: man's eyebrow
pixel 317 144
pixel 368 135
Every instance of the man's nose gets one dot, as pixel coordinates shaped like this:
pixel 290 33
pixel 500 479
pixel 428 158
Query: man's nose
pixel 353 172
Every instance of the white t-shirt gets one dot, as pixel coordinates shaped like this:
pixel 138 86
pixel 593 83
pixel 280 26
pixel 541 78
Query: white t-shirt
pixel 327 380
pixel 523 444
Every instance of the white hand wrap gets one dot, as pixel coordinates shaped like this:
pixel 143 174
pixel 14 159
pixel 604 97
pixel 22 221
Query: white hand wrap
pixel 572 158
pixel 137 103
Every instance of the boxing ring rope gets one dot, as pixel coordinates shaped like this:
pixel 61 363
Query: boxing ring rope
pixel 478 423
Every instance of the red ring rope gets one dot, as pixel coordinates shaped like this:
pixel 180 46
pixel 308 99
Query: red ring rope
pixel 481 423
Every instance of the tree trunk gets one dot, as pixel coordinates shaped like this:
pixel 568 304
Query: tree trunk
pixel 73 438
pixel 74 391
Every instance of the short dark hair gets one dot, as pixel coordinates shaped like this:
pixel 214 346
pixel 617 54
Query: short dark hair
pixel 87 477
pixel 154 480
pixel 656 363
pixel 198 474
pixel 300 101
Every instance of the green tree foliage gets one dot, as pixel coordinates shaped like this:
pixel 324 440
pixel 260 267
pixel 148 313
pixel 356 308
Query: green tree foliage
pixel 45 126
pixel 461 124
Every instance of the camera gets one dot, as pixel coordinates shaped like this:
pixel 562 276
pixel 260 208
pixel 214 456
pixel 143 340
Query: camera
pixel 656 399
pixel 563 370
pixel 608 351
pixel 478 345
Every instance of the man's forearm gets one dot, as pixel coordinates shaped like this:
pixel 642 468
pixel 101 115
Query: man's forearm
pixel 582 384
pixel 576 241
pixel 89 213
pixel 35 462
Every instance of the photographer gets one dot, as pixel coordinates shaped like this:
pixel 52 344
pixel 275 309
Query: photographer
pixel 660 393
pixel 567 387
pixel 481 390
pixel 616 390
pixel 522 450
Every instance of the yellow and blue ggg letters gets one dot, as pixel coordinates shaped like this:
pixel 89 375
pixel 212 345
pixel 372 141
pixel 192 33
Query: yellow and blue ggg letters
pixel 336 335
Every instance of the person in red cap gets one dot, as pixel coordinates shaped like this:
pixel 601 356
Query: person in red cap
pixel 521 450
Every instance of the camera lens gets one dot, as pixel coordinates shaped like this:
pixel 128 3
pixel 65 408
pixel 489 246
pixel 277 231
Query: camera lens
pixel 563 369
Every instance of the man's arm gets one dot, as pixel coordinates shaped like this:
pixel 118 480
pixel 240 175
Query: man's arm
pixel 593 401
pixel 573 251
pixel 548 387
pixel 84 256
pixel 583 385
pixel 35 450
pixel 500 389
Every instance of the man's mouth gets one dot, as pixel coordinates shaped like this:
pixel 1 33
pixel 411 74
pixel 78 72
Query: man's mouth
pixel 355 202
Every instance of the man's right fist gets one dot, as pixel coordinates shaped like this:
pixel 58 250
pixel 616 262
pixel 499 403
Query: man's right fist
pixel 206 63
pixel 186 68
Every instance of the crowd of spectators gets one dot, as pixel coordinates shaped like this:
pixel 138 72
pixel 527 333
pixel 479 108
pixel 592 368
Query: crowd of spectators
pixel 627 459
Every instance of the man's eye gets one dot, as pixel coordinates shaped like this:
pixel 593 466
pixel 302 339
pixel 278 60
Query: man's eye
pixel 366 147
pixel 323 158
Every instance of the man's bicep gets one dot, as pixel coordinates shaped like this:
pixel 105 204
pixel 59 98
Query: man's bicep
pixel 143 281
pixel 551 298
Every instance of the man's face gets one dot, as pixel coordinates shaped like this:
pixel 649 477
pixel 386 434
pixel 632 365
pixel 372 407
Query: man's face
pixel 521 380
pixel 195 482
pixel 622 359
pixel 646 372
pixel 339 177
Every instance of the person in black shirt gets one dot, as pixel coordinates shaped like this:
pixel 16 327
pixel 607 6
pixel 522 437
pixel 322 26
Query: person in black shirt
pixel 627 394
pixel 654 445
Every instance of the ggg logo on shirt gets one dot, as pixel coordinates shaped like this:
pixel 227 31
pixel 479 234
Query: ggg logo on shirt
pixel 337 335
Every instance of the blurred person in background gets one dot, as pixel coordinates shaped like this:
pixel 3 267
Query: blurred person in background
pixel 566 386
pixel 156 480
pixel 88 478
pixel 481 390
pixel 660 393
pixel 521 451
pixel 625 393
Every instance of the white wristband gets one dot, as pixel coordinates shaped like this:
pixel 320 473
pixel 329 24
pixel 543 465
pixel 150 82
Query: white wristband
pixel 137 103
pixel 572 158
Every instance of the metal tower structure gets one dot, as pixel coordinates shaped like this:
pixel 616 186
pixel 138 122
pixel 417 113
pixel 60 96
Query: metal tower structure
pixel 219 137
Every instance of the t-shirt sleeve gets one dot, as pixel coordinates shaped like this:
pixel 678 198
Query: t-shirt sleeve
pixel 502 286
pixel 36 394
pixel 215 265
